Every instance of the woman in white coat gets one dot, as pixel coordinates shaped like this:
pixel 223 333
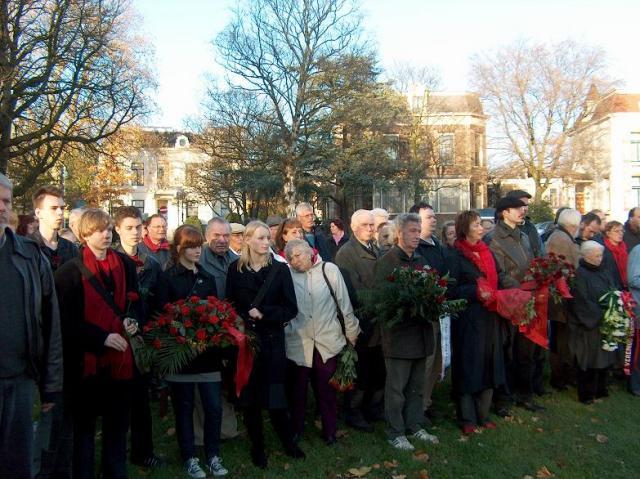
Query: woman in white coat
pixel 314 339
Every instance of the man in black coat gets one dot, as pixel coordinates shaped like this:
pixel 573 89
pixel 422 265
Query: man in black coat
pixel 151 284
pixel 434 254
pixel 357 260
pixel 405 345
pixel 312 234
pixel 30 343
pixel 632 229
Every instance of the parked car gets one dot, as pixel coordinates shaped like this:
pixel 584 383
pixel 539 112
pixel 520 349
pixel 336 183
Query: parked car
pixel 487 213
pixel 545 228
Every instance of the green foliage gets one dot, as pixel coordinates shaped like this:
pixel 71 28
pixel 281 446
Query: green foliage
pixel 540 211
pixel 193 221
pixel 234 218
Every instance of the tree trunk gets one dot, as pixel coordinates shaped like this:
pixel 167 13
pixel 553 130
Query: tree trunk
pixel 289 188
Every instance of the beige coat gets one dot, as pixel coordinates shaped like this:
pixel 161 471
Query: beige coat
pixel 561 242
pixel 317 325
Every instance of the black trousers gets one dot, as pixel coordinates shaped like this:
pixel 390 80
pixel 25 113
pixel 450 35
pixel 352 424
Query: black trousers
pixel 141 425
pixel 592 384
pixel 280 421
pixel 16 426
pixel 560 359
pixel 527 369
pixel 108 398
pixel 368 396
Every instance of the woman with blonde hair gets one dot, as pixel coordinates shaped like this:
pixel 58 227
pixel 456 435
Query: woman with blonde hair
pixel 262 292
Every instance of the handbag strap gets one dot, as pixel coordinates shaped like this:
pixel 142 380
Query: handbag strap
pixel 335 300
pixel 257 301
pixel 93 281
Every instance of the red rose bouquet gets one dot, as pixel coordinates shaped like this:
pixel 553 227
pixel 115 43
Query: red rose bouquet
pixel 412 293
pixel 346 374
pixel 187 328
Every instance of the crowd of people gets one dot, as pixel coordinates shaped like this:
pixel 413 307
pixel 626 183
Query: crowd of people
pixel 74 303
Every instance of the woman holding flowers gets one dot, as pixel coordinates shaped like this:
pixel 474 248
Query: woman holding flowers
pixel 262 292
pixel 314 338
pixel 476 340
pixel 97 293
pixel 187 279
pixel 586 314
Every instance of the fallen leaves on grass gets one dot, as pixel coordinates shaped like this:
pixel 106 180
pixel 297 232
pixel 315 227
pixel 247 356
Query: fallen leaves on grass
pixel 171 431
pixel 341 433
pixel 359 471
pixel 463 439
pixel 544 472
pixel 423 474
pixel 399 476
pixel 421 456
pixel 390 464
pixel 602 439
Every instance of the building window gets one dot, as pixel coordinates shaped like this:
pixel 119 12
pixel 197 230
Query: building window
pixel 137 172
pixel 477 149
pixel 445 149
pixel 192 209
pixel 138 204
pixel 635 147
pixel 160 173
pixel 635 189
pixel 417 103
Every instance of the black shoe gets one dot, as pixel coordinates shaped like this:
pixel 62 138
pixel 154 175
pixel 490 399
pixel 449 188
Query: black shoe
pixel 259 458
pixel 531 406
pixel 559 387
pixel 151 462
pixel 602 394
pixel 503 411
pixel 359 423
pixel 330 441
pixel 542 392
pixel 294 451
pixel 587 401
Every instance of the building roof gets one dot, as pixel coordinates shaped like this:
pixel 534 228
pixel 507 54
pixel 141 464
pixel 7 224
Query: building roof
pixel 455 103
pixel 617 102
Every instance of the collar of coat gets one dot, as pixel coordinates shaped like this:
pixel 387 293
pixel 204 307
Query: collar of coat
pixel 20 243
pixel 563 230
pixel 503 230
pixel 362 250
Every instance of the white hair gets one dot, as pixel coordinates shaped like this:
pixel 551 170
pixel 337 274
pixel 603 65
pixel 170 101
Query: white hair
pixel 589 246
pixel 357 216
pixel 296 244
pixel 380 213
pixel 216 220
pixel 6 182
pixel 301 207
pixel 570 218
pixel 402 220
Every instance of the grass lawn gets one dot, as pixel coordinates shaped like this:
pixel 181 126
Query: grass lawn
pixel 569 440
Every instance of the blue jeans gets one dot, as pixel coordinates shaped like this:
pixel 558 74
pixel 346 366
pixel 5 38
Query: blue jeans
pixel 16 426
pixel 182 397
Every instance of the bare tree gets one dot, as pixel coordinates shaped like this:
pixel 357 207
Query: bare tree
pixel 71 73
pixel 279 49
pixel 535 93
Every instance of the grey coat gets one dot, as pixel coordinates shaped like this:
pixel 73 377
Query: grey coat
pixel 562 243
pixel 357 264
pixel 217 266
pixel 411 339
pixel 513 253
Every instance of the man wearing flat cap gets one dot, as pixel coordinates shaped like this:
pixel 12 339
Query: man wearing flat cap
pixel 237 238
pixel 527 226
pixel 513 253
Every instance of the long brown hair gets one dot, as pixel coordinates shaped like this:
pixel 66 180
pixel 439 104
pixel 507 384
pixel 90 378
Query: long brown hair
pixel 288 224
pixel 186 236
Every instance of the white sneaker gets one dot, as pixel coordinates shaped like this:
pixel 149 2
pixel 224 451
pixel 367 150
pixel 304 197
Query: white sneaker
pixel 401 443
pixel 216 468
pixel 423 435
pixel 193 468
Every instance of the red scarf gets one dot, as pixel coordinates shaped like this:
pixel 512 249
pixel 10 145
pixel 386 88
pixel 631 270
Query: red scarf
pixel 620 256
pixel 481 257
pixel 164 244
pixel 99 313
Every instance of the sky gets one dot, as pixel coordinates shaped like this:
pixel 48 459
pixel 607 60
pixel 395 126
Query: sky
pixel 439 34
